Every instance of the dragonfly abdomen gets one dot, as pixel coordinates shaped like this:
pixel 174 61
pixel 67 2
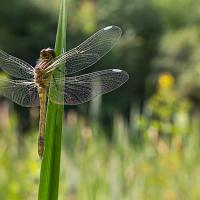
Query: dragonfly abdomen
pixel 41 137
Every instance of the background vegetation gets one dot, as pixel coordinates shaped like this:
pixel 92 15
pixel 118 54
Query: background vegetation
pixel 139 142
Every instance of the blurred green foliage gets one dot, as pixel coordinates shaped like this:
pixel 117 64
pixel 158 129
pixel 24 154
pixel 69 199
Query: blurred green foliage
pixel 153 152
pixel 164 166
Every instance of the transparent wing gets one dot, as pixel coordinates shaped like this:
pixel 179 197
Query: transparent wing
pixel 15 67
pixel 80 89
pixel 21 92
pixel 88 52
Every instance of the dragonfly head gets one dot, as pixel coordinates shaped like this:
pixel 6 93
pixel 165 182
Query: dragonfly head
pixel 47 54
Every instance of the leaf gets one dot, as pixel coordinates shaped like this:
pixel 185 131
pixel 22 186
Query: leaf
pixel 50 167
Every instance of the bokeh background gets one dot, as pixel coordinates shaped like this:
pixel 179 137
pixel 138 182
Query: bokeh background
pixel 139 142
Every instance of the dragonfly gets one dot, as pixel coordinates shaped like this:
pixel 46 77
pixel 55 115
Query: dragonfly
pixel 31 88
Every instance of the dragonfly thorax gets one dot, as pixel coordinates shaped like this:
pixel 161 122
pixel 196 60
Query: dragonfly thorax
pixel 41 76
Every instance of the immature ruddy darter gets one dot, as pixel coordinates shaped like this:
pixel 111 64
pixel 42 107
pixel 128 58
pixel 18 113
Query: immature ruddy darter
pixel 32 88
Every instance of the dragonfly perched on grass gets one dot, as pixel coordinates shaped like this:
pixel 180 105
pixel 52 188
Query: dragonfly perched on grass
pixel 32 88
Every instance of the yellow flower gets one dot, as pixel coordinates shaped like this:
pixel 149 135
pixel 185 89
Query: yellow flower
pixel 34 166
pixel 165 81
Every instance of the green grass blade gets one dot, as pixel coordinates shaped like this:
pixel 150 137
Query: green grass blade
pixel 50 167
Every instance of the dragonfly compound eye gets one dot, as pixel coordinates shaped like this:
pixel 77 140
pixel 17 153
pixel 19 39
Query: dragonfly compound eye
pixel 47 53
pixel 43 54
pixel 51 52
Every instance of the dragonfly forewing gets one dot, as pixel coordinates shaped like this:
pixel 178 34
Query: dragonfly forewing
pixel 15 66
pixel 88 52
